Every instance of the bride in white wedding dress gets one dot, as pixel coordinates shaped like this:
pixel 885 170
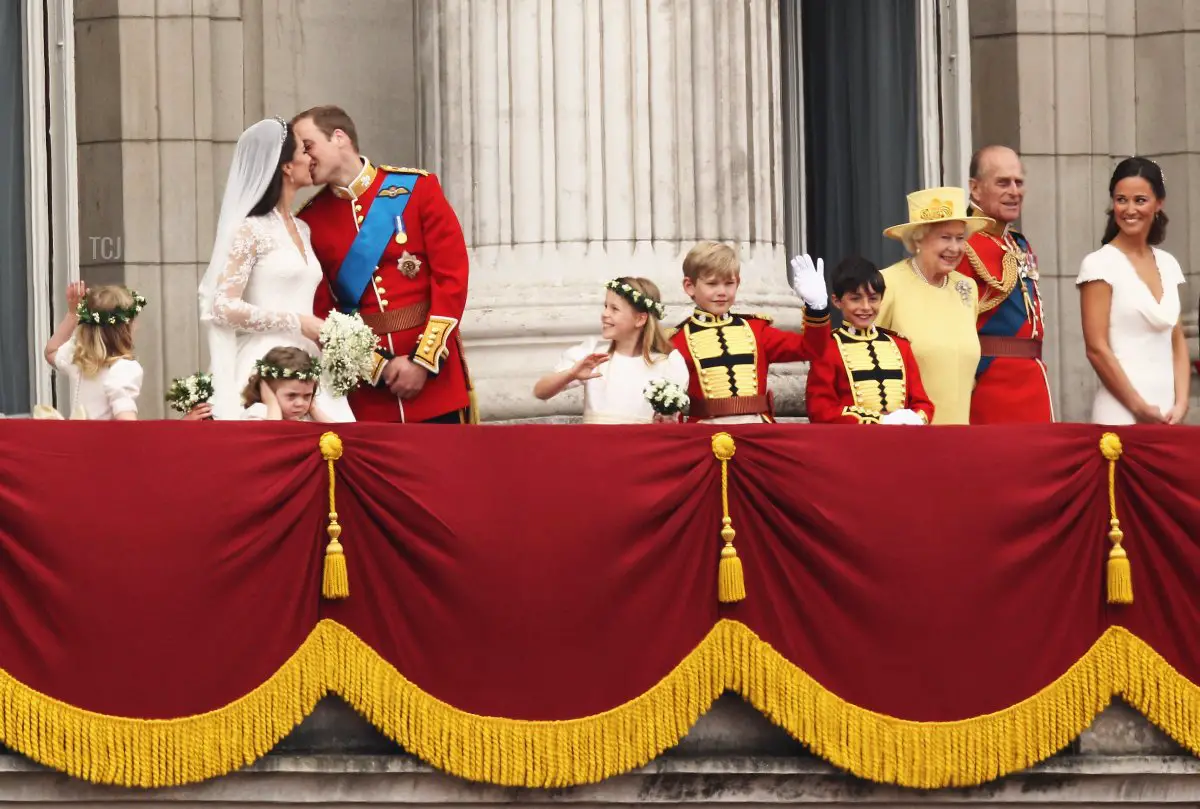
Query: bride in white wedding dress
pixel 258 290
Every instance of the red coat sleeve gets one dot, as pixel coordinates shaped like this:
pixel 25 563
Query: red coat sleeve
pixel 324 302
pixel 918 400
pixel 810 344
pixel 446 251
pixel 821 397
pixel 826 403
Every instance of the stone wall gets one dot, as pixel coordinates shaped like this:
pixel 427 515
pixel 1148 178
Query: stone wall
pixel 570 154
pixel 164 89
pixel 1074 86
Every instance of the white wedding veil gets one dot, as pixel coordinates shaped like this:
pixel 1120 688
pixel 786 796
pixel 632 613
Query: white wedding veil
pixel 255 162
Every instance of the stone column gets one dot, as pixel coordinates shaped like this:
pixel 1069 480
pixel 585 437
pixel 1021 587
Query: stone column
pixel 584 139
pixel 158 99
pixel 1075 86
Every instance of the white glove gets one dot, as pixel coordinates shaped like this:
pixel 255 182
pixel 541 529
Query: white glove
pixel 808 281
pixel 903 417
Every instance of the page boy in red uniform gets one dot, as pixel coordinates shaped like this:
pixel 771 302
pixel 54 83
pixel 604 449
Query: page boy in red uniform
pixel 867 375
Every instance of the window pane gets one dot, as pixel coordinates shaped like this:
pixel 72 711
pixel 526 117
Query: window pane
pixel 861 124
pixel 14 297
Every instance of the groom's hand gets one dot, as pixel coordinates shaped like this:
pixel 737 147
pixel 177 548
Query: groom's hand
pixel 404 378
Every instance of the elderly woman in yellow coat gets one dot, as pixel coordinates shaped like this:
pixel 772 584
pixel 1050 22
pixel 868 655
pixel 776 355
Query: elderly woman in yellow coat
pixel 932 304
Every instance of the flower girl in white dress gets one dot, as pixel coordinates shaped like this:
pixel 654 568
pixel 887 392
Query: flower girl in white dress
pixel 614 381
pixel 93 347
pixel 284 387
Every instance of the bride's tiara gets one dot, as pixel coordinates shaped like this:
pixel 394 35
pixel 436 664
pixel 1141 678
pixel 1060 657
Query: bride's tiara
pixel 283 134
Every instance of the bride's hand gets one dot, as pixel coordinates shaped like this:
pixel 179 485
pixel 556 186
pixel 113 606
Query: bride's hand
pixel 310 327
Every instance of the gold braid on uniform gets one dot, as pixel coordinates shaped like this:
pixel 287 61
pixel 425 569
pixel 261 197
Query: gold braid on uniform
pixel 1004 286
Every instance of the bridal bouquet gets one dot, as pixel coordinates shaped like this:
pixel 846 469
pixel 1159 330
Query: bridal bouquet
pixel 189 391
pixel 347 352
pixel 666 398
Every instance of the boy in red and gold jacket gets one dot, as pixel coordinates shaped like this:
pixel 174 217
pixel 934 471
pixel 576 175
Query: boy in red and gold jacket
pixel 867 375
pixel 728 353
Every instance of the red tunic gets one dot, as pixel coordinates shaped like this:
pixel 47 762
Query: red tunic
pixel 728 358
pixel 421 283
pixel 1011 385
pixel 885 379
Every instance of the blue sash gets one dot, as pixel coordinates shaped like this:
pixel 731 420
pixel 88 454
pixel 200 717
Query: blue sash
pixel 383 220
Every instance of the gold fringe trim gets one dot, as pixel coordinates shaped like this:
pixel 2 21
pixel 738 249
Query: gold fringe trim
pixel 165 752
pixel 926 755
pixel 550 754
pixel 514 752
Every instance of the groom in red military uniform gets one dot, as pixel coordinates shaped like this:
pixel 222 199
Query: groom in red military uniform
pixel 1011 386
pixel 391 249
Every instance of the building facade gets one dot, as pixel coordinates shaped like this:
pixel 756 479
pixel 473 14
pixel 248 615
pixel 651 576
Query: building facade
pixel 578 139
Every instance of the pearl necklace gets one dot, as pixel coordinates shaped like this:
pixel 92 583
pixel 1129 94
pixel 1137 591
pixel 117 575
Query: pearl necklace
pixel 912 262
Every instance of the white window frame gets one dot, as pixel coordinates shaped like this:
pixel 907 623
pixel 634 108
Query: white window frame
pixel 51 177
pixel 944 92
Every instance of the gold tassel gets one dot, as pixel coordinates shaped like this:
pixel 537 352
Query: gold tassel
pixel 335 583
pixel 1120 577
pixel 731 583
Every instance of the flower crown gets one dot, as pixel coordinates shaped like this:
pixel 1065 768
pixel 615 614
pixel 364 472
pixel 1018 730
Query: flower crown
pixel 637 299
pixel 269 370
pixel 110 317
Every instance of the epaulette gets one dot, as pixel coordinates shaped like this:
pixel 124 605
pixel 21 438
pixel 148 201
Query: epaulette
pixel 404 170
pixel 891 333
pixel 756 316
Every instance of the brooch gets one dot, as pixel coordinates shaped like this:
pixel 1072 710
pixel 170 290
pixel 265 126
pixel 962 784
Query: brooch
pixel 964 291
pixel 408 264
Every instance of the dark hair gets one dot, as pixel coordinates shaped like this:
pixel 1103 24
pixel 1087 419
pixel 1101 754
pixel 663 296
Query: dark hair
pixel 329 118
pixel 1149 171
pixel 270 197
pixel 854 273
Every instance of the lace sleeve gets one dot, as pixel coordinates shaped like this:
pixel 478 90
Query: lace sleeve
pixel 233 311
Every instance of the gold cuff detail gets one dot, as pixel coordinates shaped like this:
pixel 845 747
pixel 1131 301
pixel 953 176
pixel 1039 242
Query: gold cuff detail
pixel 434 343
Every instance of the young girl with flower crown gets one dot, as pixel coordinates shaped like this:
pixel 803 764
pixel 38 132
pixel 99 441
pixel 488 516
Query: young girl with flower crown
pixel 93 347
pixel 283 387
pixel 639 355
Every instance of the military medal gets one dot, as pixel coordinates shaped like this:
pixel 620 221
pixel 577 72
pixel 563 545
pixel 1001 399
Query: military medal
pixel 401 236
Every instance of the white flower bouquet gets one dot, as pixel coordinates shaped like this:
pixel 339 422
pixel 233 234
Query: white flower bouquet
pixel 666 398
pixel 187 392
pixel 347 352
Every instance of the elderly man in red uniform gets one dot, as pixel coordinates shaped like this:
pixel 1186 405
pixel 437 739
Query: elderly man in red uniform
pixel 1011 386
pixel 391 249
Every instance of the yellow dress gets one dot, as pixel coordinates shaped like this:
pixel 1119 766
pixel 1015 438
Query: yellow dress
pixel 940 324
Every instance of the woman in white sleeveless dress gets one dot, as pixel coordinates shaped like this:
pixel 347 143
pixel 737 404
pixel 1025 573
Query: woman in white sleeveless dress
pixel 260 284
pixel 1129 299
